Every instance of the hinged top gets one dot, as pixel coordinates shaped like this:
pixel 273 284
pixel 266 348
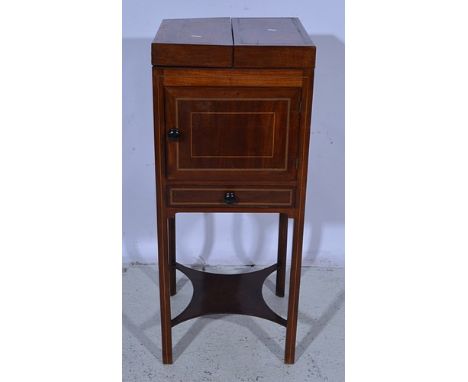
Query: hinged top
pixel 237 42
pixel 270 31
pixel 193 42
pixel 212 31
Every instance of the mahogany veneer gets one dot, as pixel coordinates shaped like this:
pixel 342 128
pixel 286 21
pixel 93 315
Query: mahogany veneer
pixel 232 105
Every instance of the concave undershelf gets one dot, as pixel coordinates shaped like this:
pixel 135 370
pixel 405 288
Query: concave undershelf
pixel 215 293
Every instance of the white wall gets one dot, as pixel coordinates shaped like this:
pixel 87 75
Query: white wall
pixel 235 238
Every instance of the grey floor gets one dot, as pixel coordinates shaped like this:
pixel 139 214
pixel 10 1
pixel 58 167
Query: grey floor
pixel 233 347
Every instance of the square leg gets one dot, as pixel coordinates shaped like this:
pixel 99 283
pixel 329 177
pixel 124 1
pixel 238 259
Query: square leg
pixel 164 288
pixel 282 247
pixel 294 283
pixel 172 254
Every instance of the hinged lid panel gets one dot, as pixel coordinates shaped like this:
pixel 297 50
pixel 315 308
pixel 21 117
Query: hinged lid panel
pixel 271 42
pixel 193 42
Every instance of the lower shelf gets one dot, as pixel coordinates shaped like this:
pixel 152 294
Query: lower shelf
pixel 215 293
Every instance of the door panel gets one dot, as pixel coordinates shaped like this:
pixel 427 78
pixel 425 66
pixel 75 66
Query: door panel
pixel 228 133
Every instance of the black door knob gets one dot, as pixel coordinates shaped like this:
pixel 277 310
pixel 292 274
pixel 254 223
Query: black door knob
pixel 230 198
pixel 173 134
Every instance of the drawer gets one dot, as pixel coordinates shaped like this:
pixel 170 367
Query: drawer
pixel 236 196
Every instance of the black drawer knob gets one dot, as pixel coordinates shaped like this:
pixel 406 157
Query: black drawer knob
pixel 230 198
pixel 173 134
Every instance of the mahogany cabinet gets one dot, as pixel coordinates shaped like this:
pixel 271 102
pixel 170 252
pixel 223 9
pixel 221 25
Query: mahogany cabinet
pixel 232 106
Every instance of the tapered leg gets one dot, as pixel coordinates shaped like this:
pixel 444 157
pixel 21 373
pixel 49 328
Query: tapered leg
pixel 294 282
pixel 172 254
pixel 164 288
pixel 282 246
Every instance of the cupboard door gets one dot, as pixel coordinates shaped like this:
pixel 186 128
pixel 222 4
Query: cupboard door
pixel 231 133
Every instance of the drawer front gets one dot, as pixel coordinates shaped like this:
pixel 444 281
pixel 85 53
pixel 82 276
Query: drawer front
pixel 240 197
pixel 231 133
